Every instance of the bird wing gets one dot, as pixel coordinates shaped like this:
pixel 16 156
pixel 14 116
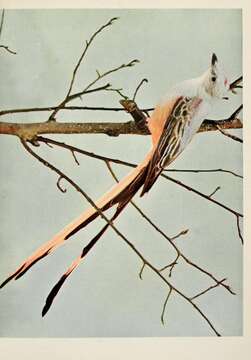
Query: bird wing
pixel 169 142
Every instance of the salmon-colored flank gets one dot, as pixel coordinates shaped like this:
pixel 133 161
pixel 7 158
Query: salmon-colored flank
pixel 158 118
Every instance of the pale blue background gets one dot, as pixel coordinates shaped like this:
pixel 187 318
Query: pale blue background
pixel 105 297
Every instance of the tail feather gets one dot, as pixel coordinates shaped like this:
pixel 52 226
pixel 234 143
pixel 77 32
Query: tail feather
pixel 122 199
pixel 128 186
pixel 120 193
pixel 54 291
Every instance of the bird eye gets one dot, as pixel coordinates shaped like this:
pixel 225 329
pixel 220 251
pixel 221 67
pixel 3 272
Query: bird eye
pixel 213 78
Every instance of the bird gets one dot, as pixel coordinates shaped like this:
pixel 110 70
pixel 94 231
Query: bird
pixel 172 125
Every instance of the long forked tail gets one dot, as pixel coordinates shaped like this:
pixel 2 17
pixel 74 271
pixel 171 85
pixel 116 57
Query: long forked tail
pixel 122 203
pixel 120 194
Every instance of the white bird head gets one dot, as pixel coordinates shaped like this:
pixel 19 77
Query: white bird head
pixel 215 82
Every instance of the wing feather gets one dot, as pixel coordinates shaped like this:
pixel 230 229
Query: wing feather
pixel 169 143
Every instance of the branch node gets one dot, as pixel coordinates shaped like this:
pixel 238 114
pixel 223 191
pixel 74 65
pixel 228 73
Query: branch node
pixel 131 107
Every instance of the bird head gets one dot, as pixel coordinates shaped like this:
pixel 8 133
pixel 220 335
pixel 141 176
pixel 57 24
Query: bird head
pixel 215 82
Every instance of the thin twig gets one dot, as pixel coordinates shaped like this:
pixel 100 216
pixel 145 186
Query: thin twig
pixel 215 191
pixel 1 29
pixel 8 49
pixel 178 182
pixel 233 137
pixel 69 97
pixel 236 112
pixel 164 306
pixel 86 92
pixel 235 85
pixel 204 171
pixel 59 186
pixel 87 44
pixel 169 265
pixel 74 157
pixel 118 91
pixel 181 233
pixel 138 87
pixel 172 264
pixel 208 289
pixel 2 20
pixel 239 229
pixel 51 108
pixel 141 270
pixel 109 72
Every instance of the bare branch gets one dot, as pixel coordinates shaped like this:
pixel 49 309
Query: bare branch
pixel 69 97
pixel 189 188
pixel 178 182
pixel 29 130
pixel 170 240
pixel 135 250
pixel 88 43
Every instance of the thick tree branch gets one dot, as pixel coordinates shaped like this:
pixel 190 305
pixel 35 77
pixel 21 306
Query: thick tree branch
pixel 29 131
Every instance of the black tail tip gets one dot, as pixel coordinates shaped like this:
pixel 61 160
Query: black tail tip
pixel 144 191
pixel 5 282
pixel 44 311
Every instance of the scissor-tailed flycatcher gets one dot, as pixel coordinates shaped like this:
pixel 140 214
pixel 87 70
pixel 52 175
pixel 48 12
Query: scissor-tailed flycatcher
pixel 172 125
